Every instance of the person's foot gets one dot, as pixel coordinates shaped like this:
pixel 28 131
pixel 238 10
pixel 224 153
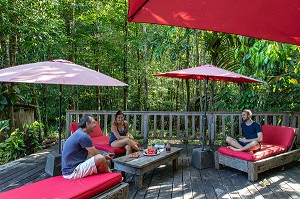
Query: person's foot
pixel 233 148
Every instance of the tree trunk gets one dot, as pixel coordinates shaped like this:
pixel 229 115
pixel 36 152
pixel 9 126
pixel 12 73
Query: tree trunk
pixel 145 68
pixel 125 65
pixel 44 105
pixel 187 63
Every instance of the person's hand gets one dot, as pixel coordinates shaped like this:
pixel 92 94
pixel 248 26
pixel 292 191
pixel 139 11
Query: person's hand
pixel 131 137
pixel 109 156
pixel 243 139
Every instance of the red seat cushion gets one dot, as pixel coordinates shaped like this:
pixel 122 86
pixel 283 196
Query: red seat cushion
pixel 58 187
pixel 266 151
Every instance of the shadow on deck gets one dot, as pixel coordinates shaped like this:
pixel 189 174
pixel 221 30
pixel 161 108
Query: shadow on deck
pixel 187 182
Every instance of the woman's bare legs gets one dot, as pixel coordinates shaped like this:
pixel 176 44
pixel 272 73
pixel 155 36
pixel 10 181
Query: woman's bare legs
pixel 124 142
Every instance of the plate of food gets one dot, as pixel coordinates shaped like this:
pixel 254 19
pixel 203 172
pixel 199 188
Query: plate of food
pixel 151 152
pixel 134 155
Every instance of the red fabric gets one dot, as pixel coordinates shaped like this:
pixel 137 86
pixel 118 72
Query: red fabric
pixel 275 20
pixel 276 140
pixel 278 135
pixel 97 131
pixel 266 151
pixel 73 127
pixel 100 141
pixel 209 72
pixel 58 187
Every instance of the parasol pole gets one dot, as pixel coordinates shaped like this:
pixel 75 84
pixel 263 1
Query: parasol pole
pixel 59 120
pixel 204 119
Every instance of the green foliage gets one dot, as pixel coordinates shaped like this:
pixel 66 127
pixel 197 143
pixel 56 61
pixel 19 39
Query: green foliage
pixel 21 143
pixel 4 124
pixel 32 138
pixel 95 34
pixel 14 146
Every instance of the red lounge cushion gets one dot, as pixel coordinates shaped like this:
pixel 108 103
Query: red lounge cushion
pixel 97 131
pixel 73 127
pixel 58 187
pixel 102 140
pixel 278 135
pixel 102 143
pixel 267 150
pixel 116 150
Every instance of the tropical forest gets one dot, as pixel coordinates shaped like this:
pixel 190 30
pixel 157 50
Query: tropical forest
pixel 97 35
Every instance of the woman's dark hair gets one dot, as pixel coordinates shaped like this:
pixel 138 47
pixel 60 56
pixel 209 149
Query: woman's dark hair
pixel 120 112
pixel 86 118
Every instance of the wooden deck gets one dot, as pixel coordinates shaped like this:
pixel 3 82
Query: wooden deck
pixel 187 182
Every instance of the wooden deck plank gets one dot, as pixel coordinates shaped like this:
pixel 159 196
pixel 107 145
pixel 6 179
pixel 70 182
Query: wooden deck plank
pixel 187 182
pixel 232 193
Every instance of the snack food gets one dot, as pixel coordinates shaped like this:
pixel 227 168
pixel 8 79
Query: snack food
pixel 134 155
pixel 151 152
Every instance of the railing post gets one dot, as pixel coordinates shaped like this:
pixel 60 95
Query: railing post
pixel 145 127
pixel 68 133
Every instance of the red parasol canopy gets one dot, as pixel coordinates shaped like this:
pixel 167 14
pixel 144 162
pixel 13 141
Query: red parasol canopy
pixel 275 20
pixel 209 72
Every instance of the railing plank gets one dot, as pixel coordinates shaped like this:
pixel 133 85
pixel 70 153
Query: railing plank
pixel 170 125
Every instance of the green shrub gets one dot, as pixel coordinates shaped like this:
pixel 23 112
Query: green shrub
pixel 14 146
pixel 21 143
pixel 32 139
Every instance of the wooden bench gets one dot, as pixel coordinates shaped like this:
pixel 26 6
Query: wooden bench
pixel 275 151
pixel 106 185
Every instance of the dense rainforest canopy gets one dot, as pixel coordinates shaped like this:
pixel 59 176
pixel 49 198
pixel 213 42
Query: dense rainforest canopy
pixel 96 34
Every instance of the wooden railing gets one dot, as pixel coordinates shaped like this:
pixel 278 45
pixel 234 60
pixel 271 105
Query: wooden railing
pixel 183 125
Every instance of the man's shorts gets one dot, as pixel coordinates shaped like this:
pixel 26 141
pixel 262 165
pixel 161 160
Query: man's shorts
pixel 84 169
pixel 245 143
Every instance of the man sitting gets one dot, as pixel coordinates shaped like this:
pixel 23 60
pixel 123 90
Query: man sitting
pixel 252 135
pixel 79 157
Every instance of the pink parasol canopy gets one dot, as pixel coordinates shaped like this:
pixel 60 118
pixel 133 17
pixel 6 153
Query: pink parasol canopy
pixel 274 20
pixel 57 72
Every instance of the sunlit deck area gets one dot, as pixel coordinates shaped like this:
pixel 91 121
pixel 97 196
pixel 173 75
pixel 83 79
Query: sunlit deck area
pixel 187 182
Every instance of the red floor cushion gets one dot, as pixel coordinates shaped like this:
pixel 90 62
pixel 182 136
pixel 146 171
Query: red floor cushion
pixel 58 187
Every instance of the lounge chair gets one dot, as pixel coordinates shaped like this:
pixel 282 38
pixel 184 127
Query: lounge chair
pixel 276 151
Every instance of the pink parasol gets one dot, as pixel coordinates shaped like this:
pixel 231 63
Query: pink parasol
pixel 60 72
pixel 57 72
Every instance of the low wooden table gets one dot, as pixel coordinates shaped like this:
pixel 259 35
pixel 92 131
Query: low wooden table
pixel 143 164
